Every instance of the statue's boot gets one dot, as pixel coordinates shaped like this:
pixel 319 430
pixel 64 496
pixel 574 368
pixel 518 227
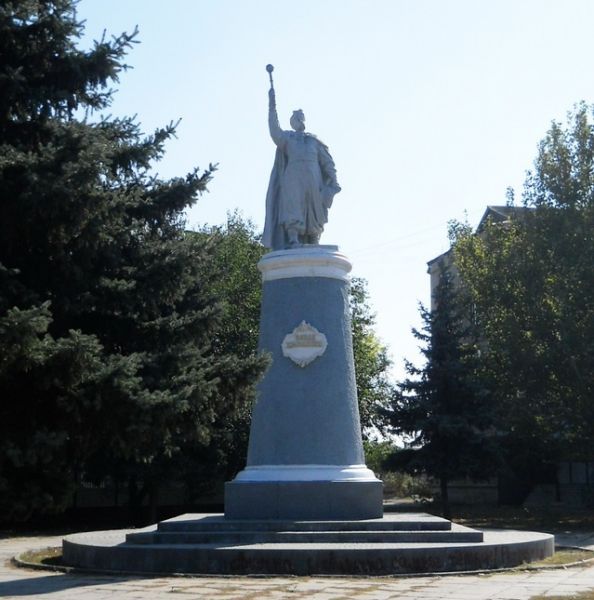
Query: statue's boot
pixel 293 237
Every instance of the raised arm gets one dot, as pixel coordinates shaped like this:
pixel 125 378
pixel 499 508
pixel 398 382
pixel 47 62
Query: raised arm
pixel 276 133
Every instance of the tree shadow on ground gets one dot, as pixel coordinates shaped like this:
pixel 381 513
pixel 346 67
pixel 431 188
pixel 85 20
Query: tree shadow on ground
pixel 49 584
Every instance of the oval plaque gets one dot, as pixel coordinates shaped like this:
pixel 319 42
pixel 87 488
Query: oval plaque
pixel 304 344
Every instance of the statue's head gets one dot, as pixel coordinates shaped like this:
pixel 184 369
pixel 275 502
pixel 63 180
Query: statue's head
pixel 297 120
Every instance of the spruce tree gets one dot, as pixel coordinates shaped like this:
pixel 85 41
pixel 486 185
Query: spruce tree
pixel 107 307
pixel 441 410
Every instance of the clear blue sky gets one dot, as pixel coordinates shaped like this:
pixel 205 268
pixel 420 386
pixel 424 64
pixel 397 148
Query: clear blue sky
pixel 431 109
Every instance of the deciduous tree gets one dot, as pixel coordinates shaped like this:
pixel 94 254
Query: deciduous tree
pixel 532 284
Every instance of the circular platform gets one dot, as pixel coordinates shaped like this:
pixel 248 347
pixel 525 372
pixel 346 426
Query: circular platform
pixel 395 544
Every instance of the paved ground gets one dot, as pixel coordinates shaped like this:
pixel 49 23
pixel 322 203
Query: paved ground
pixel 22 583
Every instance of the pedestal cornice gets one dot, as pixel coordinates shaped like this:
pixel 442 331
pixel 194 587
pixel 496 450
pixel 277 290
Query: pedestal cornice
pixel 306 261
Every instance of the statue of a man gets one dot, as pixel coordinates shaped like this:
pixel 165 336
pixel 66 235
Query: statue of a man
pixel 302 184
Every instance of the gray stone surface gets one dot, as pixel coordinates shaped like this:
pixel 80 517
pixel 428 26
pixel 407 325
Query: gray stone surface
pixel 247 551
pixel 306 415
pixel 305 456
pixel 304 500
pixel 456 534
pixel 390 522
pixel 412 527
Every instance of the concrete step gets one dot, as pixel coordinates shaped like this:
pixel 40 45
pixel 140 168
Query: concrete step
pixel 109 551
pixel 456 534
pixel 390 522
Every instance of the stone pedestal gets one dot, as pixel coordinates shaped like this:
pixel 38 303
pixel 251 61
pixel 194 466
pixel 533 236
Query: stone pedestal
pixel 305 457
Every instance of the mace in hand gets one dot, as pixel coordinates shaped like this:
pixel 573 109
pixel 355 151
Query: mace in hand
pixel 270 68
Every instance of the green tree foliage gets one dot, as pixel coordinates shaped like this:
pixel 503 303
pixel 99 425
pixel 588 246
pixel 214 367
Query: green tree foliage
pixel 532 283
pixel 237 281
pixel 108 310
pixel 374 388
pixel 441 410
pixel 238 252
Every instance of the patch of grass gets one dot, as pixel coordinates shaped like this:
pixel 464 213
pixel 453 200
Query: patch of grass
pixel 583 596
pixel 44 557
pixel 565 556
pixel 553 520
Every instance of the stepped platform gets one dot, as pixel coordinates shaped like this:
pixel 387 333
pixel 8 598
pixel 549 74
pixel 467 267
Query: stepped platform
pixel 394 544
